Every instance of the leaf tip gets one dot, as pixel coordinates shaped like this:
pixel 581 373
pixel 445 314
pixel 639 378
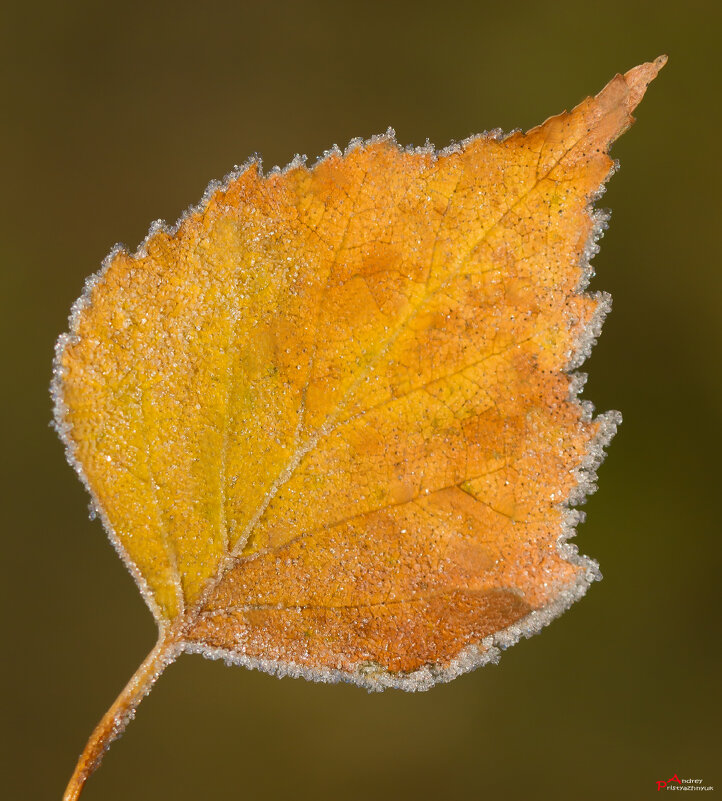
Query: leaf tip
pixel 639 78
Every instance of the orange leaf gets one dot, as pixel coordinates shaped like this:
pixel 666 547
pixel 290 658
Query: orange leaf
pixel 328 419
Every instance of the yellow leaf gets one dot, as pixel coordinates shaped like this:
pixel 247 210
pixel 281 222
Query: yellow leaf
pixel 328 419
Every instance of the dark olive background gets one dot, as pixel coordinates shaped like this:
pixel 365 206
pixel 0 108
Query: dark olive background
pixel 115 115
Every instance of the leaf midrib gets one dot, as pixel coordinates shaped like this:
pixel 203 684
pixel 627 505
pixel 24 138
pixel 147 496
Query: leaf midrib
pixel 186 620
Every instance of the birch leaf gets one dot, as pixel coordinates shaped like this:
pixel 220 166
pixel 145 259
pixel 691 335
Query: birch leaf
pixel 328 419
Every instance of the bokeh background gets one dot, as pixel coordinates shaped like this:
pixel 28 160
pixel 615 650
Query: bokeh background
pixel 116 114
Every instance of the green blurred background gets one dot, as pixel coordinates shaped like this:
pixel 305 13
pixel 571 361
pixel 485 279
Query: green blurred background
pixel 115 115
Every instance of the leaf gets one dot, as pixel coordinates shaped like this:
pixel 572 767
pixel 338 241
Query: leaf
pixel 327 419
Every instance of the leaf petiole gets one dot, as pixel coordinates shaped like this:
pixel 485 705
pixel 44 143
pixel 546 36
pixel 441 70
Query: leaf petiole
pixel 113 723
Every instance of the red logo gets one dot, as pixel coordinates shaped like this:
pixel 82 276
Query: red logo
pixel 662 784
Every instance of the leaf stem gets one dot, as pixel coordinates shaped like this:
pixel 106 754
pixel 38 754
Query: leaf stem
pixel 113 723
